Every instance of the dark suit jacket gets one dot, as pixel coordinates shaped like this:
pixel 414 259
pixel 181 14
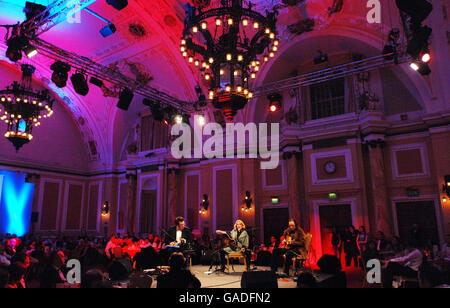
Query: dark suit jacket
pixel 186 234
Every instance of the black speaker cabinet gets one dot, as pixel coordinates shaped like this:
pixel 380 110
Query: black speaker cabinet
pixel 260 280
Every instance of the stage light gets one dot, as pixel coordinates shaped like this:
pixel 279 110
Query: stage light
pixel 30 51
pixel 414 66
pixel 178 119
pixel 108 30
pixel 421 67
pixel 201 120
pixel 419 42
pixel 118 4
pixel 125 99
pixel 60 73
pixel 426 57
pixel 14 54
pixel 31 10
pixel 96 81
pixel 275 102
pixel 15 46
pixel 80 83
pixel 155 109
pixel 418 10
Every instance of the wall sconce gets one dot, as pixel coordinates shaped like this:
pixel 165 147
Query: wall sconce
pixel 247 202
pixel 204 205
pixel 105 209
pixel 446 188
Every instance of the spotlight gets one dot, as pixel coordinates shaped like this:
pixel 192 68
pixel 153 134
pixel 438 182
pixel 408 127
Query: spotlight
pixel 419 42
pixel 414 66
pixel 155 108
pixel 60 73
pixel 424 69
pixel 96 81
pixel 125 99
pixel 118 4
pixel 169 114
pixel 418 10
pixel 201 120
pixel 178 119
pixel 30 51
pixel 15 46
pixel 80 83
pixel 108 30
pixel 321 58
pixel 421 67
pixel 31 10
pixel 426 57
pixel 275 102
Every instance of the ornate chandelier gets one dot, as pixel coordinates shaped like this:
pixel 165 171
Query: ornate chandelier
pixel 228 42
pixel 24 108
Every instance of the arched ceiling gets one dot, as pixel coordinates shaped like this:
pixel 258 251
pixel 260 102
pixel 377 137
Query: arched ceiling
pixel 156 52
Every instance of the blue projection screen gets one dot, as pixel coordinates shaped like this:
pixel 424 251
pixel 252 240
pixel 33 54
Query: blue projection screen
pixel 16 202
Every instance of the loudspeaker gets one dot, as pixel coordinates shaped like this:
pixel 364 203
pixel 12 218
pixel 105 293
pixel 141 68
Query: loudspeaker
pixel 34 217
pixel 260 280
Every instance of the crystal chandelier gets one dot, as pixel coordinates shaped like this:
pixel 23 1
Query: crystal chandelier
pixel 228 42
pixel 24 108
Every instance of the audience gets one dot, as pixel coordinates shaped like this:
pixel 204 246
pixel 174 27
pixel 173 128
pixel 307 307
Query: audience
pixel 406 266
pixel 432 277
pixel 178 277
pixel 33 262
pixel 306 281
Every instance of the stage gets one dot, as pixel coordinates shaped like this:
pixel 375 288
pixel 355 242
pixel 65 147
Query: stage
pixel 232 280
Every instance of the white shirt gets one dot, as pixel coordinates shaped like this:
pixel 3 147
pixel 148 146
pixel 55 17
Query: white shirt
pixel 413 260
pixel 179 233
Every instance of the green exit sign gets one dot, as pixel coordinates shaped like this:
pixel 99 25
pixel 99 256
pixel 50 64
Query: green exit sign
pixel 275 200
pixel 332 196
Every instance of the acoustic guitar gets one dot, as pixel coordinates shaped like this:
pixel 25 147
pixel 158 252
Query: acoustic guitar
pixel 232 243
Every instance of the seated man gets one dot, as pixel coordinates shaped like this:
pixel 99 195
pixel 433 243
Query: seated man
pixel 294 243
pixel 406 266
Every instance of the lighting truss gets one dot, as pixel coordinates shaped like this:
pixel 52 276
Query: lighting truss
pixel 55 13
pixel 107 74
pixel 331 73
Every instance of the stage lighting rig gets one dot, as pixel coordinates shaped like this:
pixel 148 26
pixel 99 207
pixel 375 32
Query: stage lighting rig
pixel 80 83
pixel 60 73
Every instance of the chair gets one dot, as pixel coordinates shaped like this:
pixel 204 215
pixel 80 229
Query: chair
pixel 304 253
pixel 236 255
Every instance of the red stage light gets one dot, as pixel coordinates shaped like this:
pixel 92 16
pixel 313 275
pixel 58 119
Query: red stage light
pixel 426 57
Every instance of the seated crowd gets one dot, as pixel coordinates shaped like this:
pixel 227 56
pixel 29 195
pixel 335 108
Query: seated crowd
pixel 33 262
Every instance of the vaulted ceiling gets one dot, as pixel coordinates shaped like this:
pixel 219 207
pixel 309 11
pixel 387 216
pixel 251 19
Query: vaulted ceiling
pixel 147 38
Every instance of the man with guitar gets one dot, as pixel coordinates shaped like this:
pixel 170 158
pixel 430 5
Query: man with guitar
pixel 239 242
pixel 294 241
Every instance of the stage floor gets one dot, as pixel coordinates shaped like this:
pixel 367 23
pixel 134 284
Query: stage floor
pixel 233 280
